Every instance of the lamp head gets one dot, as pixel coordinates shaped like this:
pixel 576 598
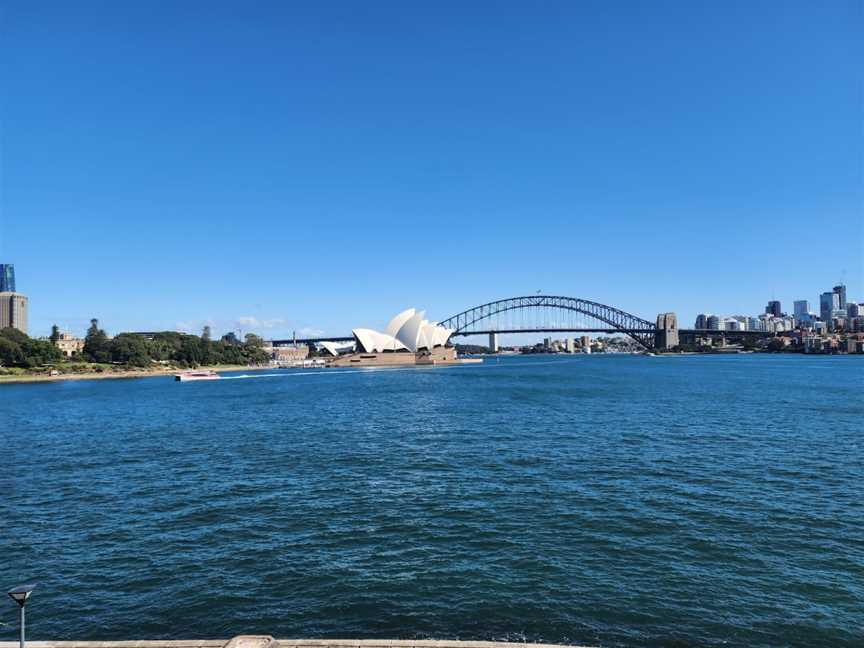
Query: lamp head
pixel 21 593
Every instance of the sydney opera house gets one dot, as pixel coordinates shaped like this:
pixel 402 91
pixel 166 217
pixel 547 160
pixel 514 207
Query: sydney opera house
pixel 408 339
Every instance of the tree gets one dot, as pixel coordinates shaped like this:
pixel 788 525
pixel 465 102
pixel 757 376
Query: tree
pixel 96 343
pixel 10 353
pixel 17 349
pixel 55 334
pixel 254 341
pixel 253 350
pixel 230 338
pixel 191 350
pixel 207 355
pixel 130 349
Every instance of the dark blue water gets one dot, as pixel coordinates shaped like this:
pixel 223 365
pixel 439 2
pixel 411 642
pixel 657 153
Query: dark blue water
pixel 615 501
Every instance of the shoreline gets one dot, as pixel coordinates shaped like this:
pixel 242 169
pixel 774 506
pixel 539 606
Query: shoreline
pixel 126 373
pixel 18 379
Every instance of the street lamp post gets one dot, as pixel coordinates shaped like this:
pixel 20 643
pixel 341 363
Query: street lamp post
pixel 20 595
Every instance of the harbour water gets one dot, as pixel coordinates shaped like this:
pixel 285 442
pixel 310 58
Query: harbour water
pixel 602 500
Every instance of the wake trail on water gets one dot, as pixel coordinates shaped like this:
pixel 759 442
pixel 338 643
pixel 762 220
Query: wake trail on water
pixel 337 372
pixel 342 372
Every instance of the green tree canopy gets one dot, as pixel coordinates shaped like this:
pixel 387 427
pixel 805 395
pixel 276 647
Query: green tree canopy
pixel 17 349
pixel 96 346
pixel 130 349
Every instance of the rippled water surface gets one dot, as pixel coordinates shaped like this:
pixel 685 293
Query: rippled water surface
pixel 615 501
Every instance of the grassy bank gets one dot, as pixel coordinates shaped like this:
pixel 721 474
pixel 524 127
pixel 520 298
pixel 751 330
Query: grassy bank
pixel 97 371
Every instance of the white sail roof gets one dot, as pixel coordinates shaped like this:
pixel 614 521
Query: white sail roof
pixel 409 334
pixel 375 342
pixel 441 336
pixel 426 338
pixel 396 323
pixel 406 331
pixel 334 348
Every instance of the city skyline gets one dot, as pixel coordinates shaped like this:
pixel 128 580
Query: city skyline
pixel 774 309
pixel 329 165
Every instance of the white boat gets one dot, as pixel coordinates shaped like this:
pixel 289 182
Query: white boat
pixel 186 376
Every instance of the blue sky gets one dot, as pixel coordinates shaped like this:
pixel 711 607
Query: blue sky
pixel 321 166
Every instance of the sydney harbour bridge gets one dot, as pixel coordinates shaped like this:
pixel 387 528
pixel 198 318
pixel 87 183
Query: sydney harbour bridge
pixel 559 314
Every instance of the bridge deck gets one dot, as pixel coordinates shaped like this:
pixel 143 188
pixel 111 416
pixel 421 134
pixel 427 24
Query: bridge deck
pixel 607 331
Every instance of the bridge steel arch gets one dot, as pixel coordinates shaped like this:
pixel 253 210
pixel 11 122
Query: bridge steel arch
pixel 615 319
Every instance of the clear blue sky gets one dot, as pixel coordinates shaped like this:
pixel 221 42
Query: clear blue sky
pixel 322 166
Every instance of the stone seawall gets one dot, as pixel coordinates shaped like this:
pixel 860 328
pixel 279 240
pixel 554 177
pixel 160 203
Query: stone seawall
pixel 282 643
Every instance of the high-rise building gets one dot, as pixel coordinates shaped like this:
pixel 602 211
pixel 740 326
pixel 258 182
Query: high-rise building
pixel 828 303
pixel 13 311
pixel 840 291
pixel 773 308
pixel 802 307
pixel 742 322
pixel 853 310
pixel 702 321
pixel 731 324
pixel 7 277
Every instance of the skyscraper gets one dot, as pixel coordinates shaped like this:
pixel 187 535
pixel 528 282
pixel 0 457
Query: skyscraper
pixel 13 311
pixel 773 308
pixel 828 303
pixel 802 308
pixel 840 291
pixel 7 277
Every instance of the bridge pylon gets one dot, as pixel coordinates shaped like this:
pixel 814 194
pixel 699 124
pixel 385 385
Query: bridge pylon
pixel 493 343
pixel 666 336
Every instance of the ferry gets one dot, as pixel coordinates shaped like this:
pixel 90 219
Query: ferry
pixel 196 375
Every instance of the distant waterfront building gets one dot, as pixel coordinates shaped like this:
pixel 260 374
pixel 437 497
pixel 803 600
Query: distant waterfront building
pixel 802 307
pixel 853 310
pixel 774 308
pixel 7 277
pixel 771 324
pixel 838 319
pixel 69 345
pixel 571 345
pixel 840 291
pixel 753 324
pixel 287 355
pixel 713 322
pixel 742 322
pixel 13 311
pixel 828 303
pixel 702 321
